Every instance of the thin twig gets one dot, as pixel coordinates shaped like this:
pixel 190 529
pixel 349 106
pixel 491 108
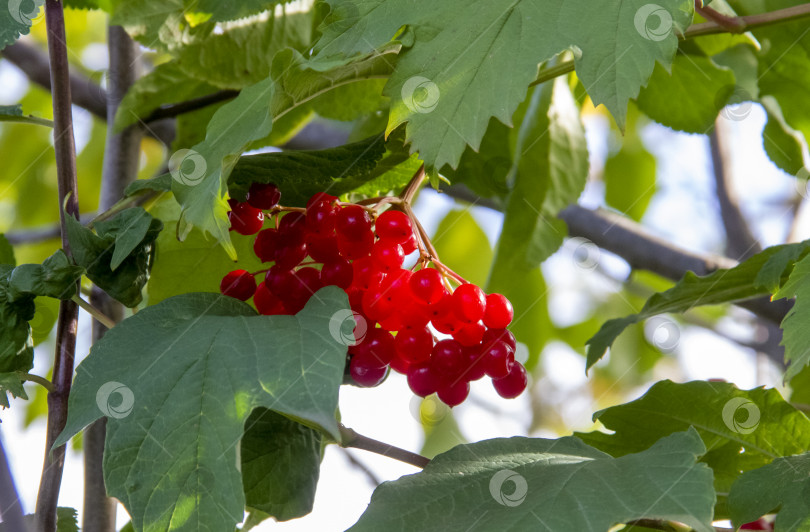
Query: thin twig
pixel 176 109
pixel 350 438
pixel 42 381
pixel 363 468
pixel 65 151
pixel 93 311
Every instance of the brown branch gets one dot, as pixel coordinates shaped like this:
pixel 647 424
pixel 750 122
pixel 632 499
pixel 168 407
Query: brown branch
pixel 729 23
pixel 363 468
pixel 175 109
pixel 750 22
pixel 350 438
pixel 40 234
pixel 740 241
pixel 65 151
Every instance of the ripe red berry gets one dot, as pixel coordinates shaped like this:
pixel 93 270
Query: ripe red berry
pixel 497 359
pixel 337 273
pixel 414 345
pixel 365 376
pixel 446 355
pixel 422 380
pixel 245 219
pixel 322 248
pixel 399 365
pixel 263 195
pixel 320 218
pixel 266 245
pixel 353 222
pixel 376 350
pixel 266 302
pixel 514 383
pixel 387 255
pixel 290 253
pixel 470 334
pixel 239 284
pixel 491 335
pixel 366 275
pixel 475 368
pixel 394 226
pixel 499 312
pixel 378 303
pixel 469 302
pixel 292 225
pixel 426 284
pixel 409 246
pixel 320 197
pixel 454 394
pixel 356 249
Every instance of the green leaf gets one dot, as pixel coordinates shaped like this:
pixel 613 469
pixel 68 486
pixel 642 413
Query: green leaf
pixel 561 485
pixel 202 192
pixel 795 336
pixel 473 61
pixel 13 113
pixel 550 173
pixel 785 146
pixel 119 257
pixel 281 462
pixel 172 438
pixel 300 174
pixel 630 177
pixel 11 383
pixel 783 484
pixel 487 171
pixel 463 246
pixel 6 251
pixel 56 277
pixel 16 19
pixel 166 84
pixel 161 183
pixel 722 286
pixel 728 420
pixel 690 97
pixel 66 521
pixel 16 348
pixel 196 264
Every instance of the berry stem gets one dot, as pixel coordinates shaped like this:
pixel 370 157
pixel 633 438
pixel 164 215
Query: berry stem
pixel 42 381
pixel 350 438
pixel 93 311
pixel 413 185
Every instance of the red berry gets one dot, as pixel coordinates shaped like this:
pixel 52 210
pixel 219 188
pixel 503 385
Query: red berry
pixel 320 217
pixel 378 303
pixel 414 313
pixel 470 334
pixel 376 349
pixel 497 358
pixel 392 322
pixel 422 380
pixel 499 312
pixel 293 225
pixel 266 302
pixel 320 197
pixel 469 302
pixel 446 355
pixel 266 245
pixel 454 394
pixel 366 275
pixel 239 284
pixel 400 366
pixel 491 335
pixel 356 249
pixel 263 195
pixel 759 524
pixel 365 376
pixel 279 280
pixel 426 284
pixel 414 345
pixel 475 368
pixel 409 246
pixel 245 219
pixel 322 248
pixel 387 255
pixel 514 383
pixel 394 226
pixel 353 222
pixel 290 253
pixel 337 273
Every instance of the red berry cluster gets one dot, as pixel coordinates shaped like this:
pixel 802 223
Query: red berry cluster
pixel 351 247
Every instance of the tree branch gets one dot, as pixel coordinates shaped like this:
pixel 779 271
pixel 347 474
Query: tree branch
pixel 363 468
pixel 10 507
pixel 740 241
pixel 65 151
pixel 40 234
pixel 175 109
pixel 350 438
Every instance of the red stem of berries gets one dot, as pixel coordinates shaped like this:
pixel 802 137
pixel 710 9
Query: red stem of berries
pixel 413 321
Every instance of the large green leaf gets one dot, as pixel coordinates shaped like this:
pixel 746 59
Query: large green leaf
pixel 118 257
pixel 474 60
pixel 783 485
pixel 56 277
pixel 728 420
pixel 785 146
pixel 16 19
pixel 550 170
pixel 10 383
pixel 722 286
pixel 689 98
pixel 536 484
pixel 281 461
pixel 796 336
pixel 177 409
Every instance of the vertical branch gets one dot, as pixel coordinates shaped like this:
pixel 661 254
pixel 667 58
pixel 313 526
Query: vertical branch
pixel 121 156
pixel 65 151
pixel 10 508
